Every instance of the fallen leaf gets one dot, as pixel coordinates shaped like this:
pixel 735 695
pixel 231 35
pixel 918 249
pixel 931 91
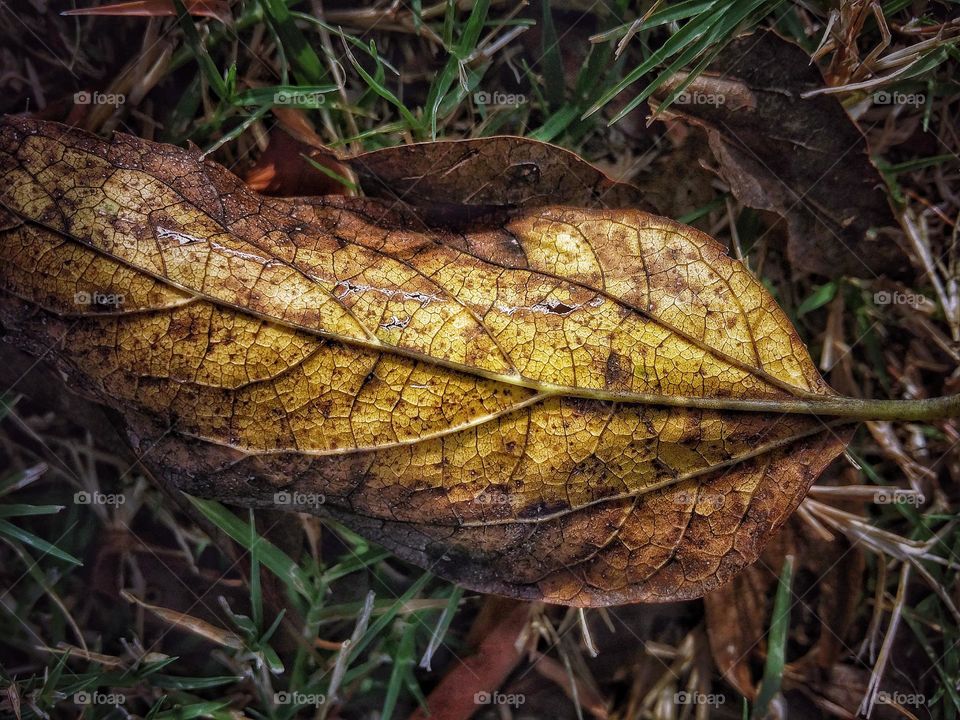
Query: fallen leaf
pixel 584 406
pixel 803 158
pixel 677 180
pixel 454 183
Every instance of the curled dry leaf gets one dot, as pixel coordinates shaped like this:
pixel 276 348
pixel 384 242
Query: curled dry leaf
pixel 478 178
pixel 584 406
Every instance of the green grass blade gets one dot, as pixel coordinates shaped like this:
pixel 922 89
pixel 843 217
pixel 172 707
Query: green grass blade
pixel 272 557
pixel 776 643
pixel 403 661
pixel 551 60
pixel 306 63
pixel 172 682
pixel 296 96
pixel 384 620
pixel 675 43
pixel 471 31
pixel 663 16
pixel 20 510
pixel 381 90
pixel 209 68
pixel 818 298
pixel 716 35
pixel 38 543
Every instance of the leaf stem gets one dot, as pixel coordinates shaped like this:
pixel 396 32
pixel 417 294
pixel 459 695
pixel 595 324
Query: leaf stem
pixel 924 410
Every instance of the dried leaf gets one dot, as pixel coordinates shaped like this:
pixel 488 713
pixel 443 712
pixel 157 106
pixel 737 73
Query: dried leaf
pixel 803 158
pixel 584 406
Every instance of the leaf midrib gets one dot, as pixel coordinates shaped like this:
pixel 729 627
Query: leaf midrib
pixel 812 405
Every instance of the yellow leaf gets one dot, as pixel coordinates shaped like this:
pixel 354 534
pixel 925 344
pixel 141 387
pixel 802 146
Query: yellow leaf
pixel 584 406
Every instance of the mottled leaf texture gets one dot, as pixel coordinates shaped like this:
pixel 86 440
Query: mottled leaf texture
pixel 533 410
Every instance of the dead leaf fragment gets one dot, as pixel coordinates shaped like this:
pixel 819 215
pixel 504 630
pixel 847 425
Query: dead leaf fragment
pixel 283 170
pixel 803 158
pixel 188 623
pixel 482 672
